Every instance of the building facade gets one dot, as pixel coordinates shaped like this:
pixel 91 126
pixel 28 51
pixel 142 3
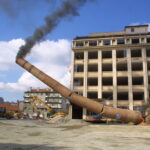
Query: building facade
pixel 20 105
pixel 50 97
pixel 112 68
pixel 1 100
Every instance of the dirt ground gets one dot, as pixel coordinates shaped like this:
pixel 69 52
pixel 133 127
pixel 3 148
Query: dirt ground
pixel 73 135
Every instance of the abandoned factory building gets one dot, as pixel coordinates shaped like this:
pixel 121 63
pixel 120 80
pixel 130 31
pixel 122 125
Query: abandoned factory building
pixel 112 68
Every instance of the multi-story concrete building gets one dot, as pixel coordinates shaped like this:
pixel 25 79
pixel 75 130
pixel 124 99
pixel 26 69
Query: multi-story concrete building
pixel 112 68
pixel 50 97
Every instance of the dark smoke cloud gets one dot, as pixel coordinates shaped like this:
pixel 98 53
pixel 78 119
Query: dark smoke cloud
pixel 9 7
pixel 68 8
pixel 13 7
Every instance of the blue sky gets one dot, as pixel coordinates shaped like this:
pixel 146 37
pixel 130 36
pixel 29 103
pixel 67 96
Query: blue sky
pixel 99 16
pixel 102 15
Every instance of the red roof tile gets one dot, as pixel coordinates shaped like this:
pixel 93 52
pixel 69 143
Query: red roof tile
pixel 9 107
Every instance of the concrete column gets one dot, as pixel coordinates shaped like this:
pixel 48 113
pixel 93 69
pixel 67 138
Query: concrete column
pixel 100 43
pixel 142 40
pixel 145 76
pixel 114 42
pixel 128 41
pixel 99 74
pixel 72 78
pixel 70 112
pixel 130 91
pixel 114 69
pixel 86 43
pixel 72 71
pixel 85 80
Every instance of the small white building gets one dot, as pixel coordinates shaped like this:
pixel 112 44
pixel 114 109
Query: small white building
pixel 50 97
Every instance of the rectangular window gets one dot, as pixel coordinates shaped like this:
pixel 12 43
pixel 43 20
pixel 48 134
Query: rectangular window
pixel 107 81
pixel 132 29
pixel 93 68
pixel 148 40
pixel 122 81
pixel 92 81
pixel 78 81
pixel 92 43
pixel 79 44
pixel 137 80
pixel 106 67
pixel 148 65
pixel 138 95
pixel 92 95
pixel 122 95
pixel 106 42
pixel 121 53
pixel 135 41
pixel 79 55
pixel 106 54
pixel 120 41
pixel 107 96
pixel 148 52
pixel 78 68
pixel 122 67
pixel 92 55
pixel 137 66
pixel 149 80
pixel 136 53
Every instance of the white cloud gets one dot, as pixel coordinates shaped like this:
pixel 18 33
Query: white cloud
pixel 52 57
pixel 8 52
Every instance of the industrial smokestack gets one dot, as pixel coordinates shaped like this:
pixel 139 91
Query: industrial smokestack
pixel 124 115
pixel 67 9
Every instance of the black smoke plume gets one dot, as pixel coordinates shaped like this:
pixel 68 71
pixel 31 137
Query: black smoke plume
pixel 12 8
pixel 68 8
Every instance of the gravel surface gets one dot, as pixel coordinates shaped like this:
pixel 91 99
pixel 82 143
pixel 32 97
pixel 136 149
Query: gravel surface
pixel 72 135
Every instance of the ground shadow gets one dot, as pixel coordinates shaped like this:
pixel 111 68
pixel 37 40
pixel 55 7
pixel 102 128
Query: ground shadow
pixel 13 146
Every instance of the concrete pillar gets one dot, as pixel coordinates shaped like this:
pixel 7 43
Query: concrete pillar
pixel 128 41
pixel 114 42
pixel 100 43
pixel 86 43
pixel 72 77
pixel 85 80
pixel 130 91
pixel 145 76
pixel 114 69
pixel 142 40
pixel 99 74
pixel 70 111
pixel 72 71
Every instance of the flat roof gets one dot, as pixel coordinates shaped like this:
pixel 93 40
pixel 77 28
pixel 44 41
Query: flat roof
pixel 137 26
pixel 110 36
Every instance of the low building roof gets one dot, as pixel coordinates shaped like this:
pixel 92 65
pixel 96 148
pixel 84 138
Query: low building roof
pixel 9 107
pixel 41 90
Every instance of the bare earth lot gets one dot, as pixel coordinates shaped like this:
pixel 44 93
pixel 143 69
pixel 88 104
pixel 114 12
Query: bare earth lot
pixel 73 135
